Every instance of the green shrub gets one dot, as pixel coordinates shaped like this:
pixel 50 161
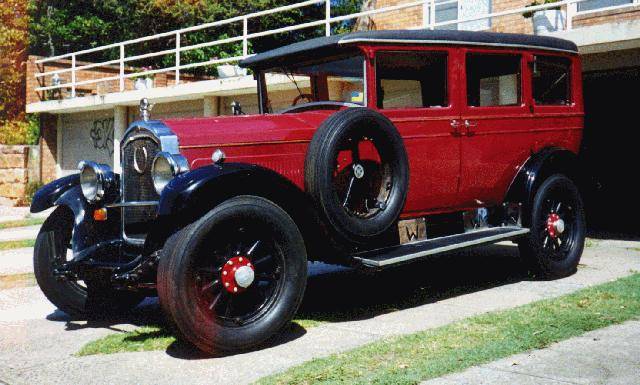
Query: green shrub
pixel 20 131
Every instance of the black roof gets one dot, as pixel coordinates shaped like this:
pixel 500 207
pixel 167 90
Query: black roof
pixel 335 44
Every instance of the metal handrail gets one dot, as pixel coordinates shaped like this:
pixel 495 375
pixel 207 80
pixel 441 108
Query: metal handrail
pixel 428 14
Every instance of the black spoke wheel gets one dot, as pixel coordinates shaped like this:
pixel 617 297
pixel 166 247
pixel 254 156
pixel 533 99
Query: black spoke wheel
pixel 362 178
pixel 234 278
pixel 357 173
pixel 237 246
pixel 555 244
pixel 76 298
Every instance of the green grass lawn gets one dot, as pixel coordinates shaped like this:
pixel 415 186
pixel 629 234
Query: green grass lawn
pixel 21 223
pixel 146 338
pixel 142 339
pixel 416 357
pixel 8 245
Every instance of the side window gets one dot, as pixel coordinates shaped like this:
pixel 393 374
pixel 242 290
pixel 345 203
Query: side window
pixel 411 79
pixel 552 80
pixel 493 80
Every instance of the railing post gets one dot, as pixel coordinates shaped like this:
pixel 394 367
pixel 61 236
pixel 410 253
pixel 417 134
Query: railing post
pixel 177 58
pixel 327 17
pixel 425 13
pixel 245 32
pixel 73 76
pixel 121 67
pixel 432 14
pixel 572 8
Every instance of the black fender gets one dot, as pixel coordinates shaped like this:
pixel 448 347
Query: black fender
pixel 537 168
pixel 87 233
pixel 191 195
pixel 48 194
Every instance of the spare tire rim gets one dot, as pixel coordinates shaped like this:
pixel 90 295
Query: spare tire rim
pixel 238 276
pixel 362 177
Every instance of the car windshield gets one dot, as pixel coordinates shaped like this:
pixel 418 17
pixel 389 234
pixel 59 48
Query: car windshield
pixel 340 80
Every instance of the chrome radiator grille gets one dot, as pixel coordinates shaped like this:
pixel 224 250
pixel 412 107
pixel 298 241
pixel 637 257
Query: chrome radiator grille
pixel 137 185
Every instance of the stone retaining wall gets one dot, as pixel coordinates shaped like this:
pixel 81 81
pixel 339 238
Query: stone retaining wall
pixel 14 173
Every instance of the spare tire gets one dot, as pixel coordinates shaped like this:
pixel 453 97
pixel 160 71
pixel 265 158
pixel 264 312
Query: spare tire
pixel 357 172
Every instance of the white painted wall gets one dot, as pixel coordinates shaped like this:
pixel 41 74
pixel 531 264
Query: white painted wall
pixel 87 135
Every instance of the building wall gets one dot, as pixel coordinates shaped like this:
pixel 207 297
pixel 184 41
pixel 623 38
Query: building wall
pixel 13 173
pixel 87 135
pixel 48 147
pixel 511 23
pixel 611 16
pixel 413 17
pixel 402 19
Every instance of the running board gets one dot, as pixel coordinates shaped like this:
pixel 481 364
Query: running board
pixel 411 251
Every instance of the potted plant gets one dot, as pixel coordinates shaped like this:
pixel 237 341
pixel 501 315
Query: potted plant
pixel 546 20
pixel 229 70
pixel 143 82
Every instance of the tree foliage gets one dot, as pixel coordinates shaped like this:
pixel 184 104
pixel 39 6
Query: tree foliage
pixel 59 27
pixel 13 38
pixel 15 128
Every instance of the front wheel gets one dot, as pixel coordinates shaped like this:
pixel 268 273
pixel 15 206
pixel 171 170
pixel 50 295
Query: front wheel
pixel 79 299
pixel 236 277
pixel 554 246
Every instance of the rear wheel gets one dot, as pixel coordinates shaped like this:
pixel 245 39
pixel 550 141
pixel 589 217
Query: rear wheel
pixel 76 298
pixel 235 277
pixel 554 246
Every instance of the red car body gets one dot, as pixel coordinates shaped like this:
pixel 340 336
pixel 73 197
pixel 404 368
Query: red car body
pixel 451 169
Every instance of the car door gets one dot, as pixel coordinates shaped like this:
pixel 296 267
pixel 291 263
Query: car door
pixel 413 89
pixel 498 120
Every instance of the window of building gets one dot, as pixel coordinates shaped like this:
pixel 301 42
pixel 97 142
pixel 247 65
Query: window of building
pixel 552 80
pixel 589 5
pixel 411 79
pixel 493 80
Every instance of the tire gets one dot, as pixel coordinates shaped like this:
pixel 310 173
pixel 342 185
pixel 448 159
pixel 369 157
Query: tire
pixel 548 252
pixel 93 299
pixel 359 206
pixel 209 314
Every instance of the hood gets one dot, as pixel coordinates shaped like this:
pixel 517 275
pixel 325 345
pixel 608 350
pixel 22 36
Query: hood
pixel 246 129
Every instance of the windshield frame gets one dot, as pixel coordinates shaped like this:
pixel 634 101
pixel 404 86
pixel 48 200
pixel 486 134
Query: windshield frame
pixel 262 86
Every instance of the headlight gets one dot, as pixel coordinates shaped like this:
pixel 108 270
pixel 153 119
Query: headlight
pixel 95 180
pixel 165 167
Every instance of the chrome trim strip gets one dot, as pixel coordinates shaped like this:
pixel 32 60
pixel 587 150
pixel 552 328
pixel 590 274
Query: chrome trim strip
pixel 132 204
pixel 456 42
pixel 443 249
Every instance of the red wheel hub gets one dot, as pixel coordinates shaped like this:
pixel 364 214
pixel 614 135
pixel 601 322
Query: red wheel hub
pixel 552 225
pixel 237 274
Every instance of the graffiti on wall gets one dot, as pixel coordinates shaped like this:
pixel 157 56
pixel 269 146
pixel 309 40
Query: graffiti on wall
pixel 102 135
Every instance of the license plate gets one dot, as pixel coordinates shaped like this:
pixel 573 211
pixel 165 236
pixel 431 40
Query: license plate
pixel 412 230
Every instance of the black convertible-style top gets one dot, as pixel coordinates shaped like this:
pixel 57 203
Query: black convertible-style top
pixel 334 44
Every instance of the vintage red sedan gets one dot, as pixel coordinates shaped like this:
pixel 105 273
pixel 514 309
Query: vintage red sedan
pixel 385 147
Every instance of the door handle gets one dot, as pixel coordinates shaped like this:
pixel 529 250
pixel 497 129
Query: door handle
pixel 468 125
pixel 456 125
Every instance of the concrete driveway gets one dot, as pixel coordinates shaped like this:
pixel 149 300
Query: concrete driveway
pixel 37 342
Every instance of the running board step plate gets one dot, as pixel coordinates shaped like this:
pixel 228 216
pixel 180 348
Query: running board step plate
pixel 410 251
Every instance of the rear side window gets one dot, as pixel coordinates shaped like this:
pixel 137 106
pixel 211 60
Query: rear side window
pixel 493 80
pixel 552 80
pixel 411 79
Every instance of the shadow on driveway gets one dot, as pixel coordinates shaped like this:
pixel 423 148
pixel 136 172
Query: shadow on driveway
pixel 336 294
